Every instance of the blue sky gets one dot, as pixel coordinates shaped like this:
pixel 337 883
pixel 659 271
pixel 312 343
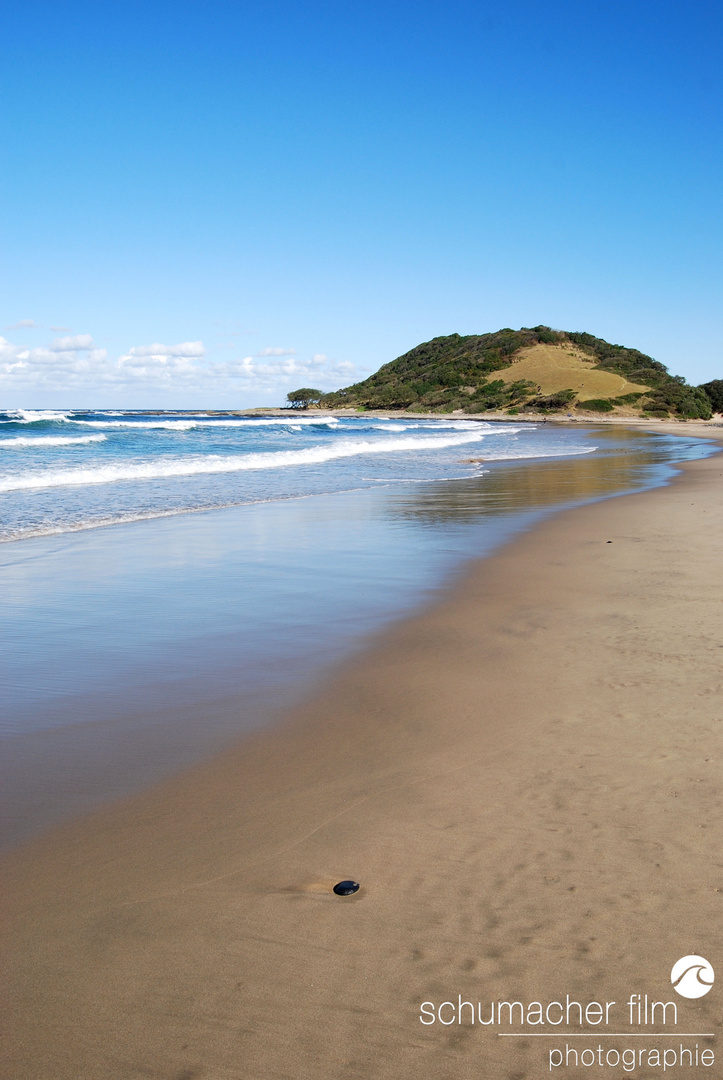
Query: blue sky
pixel 210 203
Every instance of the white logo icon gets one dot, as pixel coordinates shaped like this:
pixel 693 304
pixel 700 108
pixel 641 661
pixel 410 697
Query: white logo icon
pixel 692 976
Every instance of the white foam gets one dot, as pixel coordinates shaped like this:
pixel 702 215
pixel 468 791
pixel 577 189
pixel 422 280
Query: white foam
pixel 33 416
pixel 270 421
pixel 150 515
pixel 214 463
pixel 171 425
pixel 186 424
pixel 450 425
pixel 50 440
pixel 570 452
pixel 479 425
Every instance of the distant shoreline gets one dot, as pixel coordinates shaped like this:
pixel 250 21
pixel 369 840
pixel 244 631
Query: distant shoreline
pixel 583 417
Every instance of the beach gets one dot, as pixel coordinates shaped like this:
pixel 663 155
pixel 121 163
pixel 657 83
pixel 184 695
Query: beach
pixel 524 778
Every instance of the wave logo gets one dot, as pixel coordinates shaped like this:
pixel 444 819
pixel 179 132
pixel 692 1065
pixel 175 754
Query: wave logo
pixel 692 976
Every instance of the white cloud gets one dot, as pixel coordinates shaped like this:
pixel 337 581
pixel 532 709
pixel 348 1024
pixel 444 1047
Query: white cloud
pixel 287 373
pixel 159 365
pixel 74 369
pixel 60 329
pixel 24 324
pixel 70 344
pixel 344 367
pixel 186 348
pixel 11 357
pixel 66 363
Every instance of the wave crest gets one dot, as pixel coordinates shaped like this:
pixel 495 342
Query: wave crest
pixel 49 440
pixel 33 416
pixel 214 463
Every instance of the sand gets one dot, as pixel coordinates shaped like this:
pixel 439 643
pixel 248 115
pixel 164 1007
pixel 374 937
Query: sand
pixel 565 367
pixel 525 780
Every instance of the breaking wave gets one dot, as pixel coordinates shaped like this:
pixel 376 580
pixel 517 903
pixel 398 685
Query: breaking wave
pixel 215 463
pixel 49 440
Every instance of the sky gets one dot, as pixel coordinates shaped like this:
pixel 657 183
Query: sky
pixel 208 204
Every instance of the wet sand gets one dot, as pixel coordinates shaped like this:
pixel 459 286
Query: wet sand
pixel 525 780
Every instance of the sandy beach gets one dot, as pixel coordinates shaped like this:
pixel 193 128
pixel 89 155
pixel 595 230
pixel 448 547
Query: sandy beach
pixel 525 781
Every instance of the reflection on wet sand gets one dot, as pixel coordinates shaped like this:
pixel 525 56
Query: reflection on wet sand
pixel 147 647
pixel 624 461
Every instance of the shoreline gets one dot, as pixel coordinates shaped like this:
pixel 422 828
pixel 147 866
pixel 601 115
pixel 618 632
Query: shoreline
pixel 706 429
pixel 490 770
pixel 94 747
pixel 583 417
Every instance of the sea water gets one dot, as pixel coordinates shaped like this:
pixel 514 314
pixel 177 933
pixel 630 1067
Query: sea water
pixel 74 470
pixel 170 582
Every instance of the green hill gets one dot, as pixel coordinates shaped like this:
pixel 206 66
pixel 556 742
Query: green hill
pixel 537 369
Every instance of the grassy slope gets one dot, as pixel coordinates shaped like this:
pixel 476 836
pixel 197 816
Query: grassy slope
pixel 529 369
pixel 559 367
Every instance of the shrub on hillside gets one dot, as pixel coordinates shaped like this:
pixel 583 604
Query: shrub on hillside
pixel 560 400
pixel 714 392
pixel 627 399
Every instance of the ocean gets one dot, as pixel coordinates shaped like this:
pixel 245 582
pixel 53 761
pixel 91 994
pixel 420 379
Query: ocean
pixel 74 470
pixel 171 582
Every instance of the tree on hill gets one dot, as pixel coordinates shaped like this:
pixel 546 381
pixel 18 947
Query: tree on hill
pixel 303 398
pixel 714 392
